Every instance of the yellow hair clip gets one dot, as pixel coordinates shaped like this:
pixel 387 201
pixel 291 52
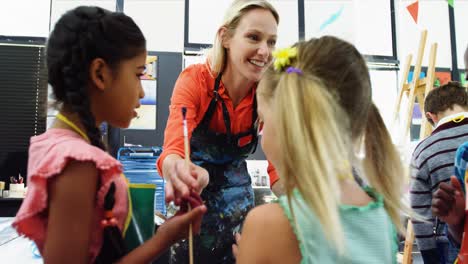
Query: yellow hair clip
pixel 283 57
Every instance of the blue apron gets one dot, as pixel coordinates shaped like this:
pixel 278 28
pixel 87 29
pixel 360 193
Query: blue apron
pixel 229 195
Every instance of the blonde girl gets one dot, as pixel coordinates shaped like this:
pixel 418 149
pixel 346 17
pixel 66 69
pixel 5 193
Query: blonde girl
pixel 316 108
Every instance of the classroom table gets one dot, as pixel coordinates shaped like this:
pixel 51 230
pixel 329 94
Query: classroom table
pixel 14 248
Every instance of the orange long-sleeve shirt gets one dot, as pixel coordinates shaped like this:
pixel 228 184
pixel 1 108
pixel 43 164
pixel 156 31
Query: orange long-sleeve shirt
pixel 194 90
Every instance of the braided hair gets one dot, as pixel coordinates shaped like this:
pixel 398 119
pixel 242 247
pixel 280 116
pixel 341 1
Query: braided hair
pixel 80 36
pixel 113 245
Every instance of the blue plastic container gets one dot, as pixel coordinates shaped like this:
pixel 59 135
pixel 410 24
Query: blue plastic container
pixel 139 165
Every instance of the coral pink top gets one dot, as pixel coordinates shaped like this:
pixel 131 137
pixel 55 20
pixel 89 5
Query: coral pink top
pixel 49 154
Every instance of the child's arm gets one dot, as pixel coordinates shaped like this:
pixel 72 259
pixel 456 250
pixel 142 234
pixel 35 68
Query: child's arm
pixel 174 229
pixel 267 237
pixel 448 203
pixel 72 196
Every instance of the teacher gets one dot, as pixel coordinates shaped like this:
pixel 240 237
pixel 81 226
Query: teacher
pixel 222 128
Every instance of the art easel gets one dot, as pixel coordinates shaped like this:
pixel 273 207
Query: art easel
pixel 418 88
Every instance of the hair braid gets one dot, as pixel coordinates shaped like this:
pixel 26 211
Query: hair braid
pixel 75 74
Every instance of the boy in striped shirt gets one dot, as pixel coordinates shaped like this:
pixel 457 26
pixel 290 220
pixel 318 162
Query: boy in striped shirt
pixel 433 163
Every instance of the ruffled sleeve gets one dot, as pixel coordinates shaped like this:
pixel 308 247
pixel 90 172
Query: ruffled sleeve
pixel 47 159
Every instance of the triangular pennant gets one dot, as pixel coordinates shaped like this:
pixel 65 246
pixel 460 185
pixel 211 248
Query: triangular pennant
pixel 450 2
pixel 413 10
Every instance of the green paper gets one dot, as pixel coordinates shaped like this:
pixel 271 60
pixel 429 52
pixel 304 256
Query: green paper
pixel 450 2
pixel 141 227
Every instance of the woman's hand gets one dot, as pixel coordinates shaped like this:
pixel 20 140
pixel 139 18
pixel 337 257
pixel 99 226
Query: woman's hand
pixel 180 180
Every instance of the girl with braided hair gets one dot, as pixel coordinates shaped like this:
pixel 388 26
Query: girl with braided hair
pixel 77 202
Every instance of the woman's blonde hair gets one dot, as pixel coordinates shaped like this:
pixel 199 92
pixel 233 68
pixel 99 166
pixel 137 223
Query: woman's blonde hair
pixel 217 54
pixel 322 114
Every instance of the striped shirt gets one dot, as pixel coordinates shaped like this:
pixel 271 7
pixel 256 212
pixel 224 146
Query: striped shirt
pixel 431 164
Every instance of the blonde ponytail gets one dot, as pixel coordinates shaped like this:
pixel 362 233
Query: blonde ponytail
pixel 313 146
pixel 383 166
pixel 323 108
pixel 347 77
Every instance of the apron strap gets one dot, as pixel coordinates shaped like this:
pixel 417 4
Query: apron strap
pixel 211 108
pixel 227 121
pixel 254 127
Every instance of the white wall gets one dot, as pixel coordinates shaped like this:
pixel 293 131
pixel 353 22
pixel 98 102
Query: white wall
pixel 368 28
pixel 433 16
pixel 384 93
pixel 162 22
pixel 288 28
pixel 25 18
pixel 461 27
pixel 60 7
pixel 205 22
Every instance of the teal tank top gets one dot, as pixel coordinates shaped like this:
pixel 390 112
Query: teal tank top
pixel 370 236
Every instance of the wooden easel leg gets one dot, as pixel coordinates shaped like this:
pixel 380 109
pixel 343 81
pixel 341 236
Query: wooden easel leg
pixel 426 128
pixel 414 83
pixel 404 79
pixel 409 241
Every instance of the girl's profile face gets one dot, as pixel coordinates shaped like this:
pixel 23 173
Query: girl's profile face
pixel 117 103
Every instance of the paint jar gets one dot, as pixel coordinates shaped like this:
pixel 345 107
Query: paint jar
pixel 2 187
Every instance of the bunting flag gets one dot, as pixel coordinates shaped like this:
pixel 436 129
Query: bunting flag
pixel 413 10
pixel 450 2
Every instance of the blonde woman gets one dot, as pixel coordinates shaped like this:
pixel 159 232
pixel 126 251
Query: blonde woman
pixel 315 110
pixel 221 116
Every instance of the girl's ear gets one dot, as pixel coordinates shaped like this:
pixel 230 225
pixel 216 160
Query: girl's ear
pixel 100 74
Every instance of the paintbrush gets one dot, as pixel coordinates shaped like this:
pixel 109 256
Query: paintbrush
pixel 187 164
